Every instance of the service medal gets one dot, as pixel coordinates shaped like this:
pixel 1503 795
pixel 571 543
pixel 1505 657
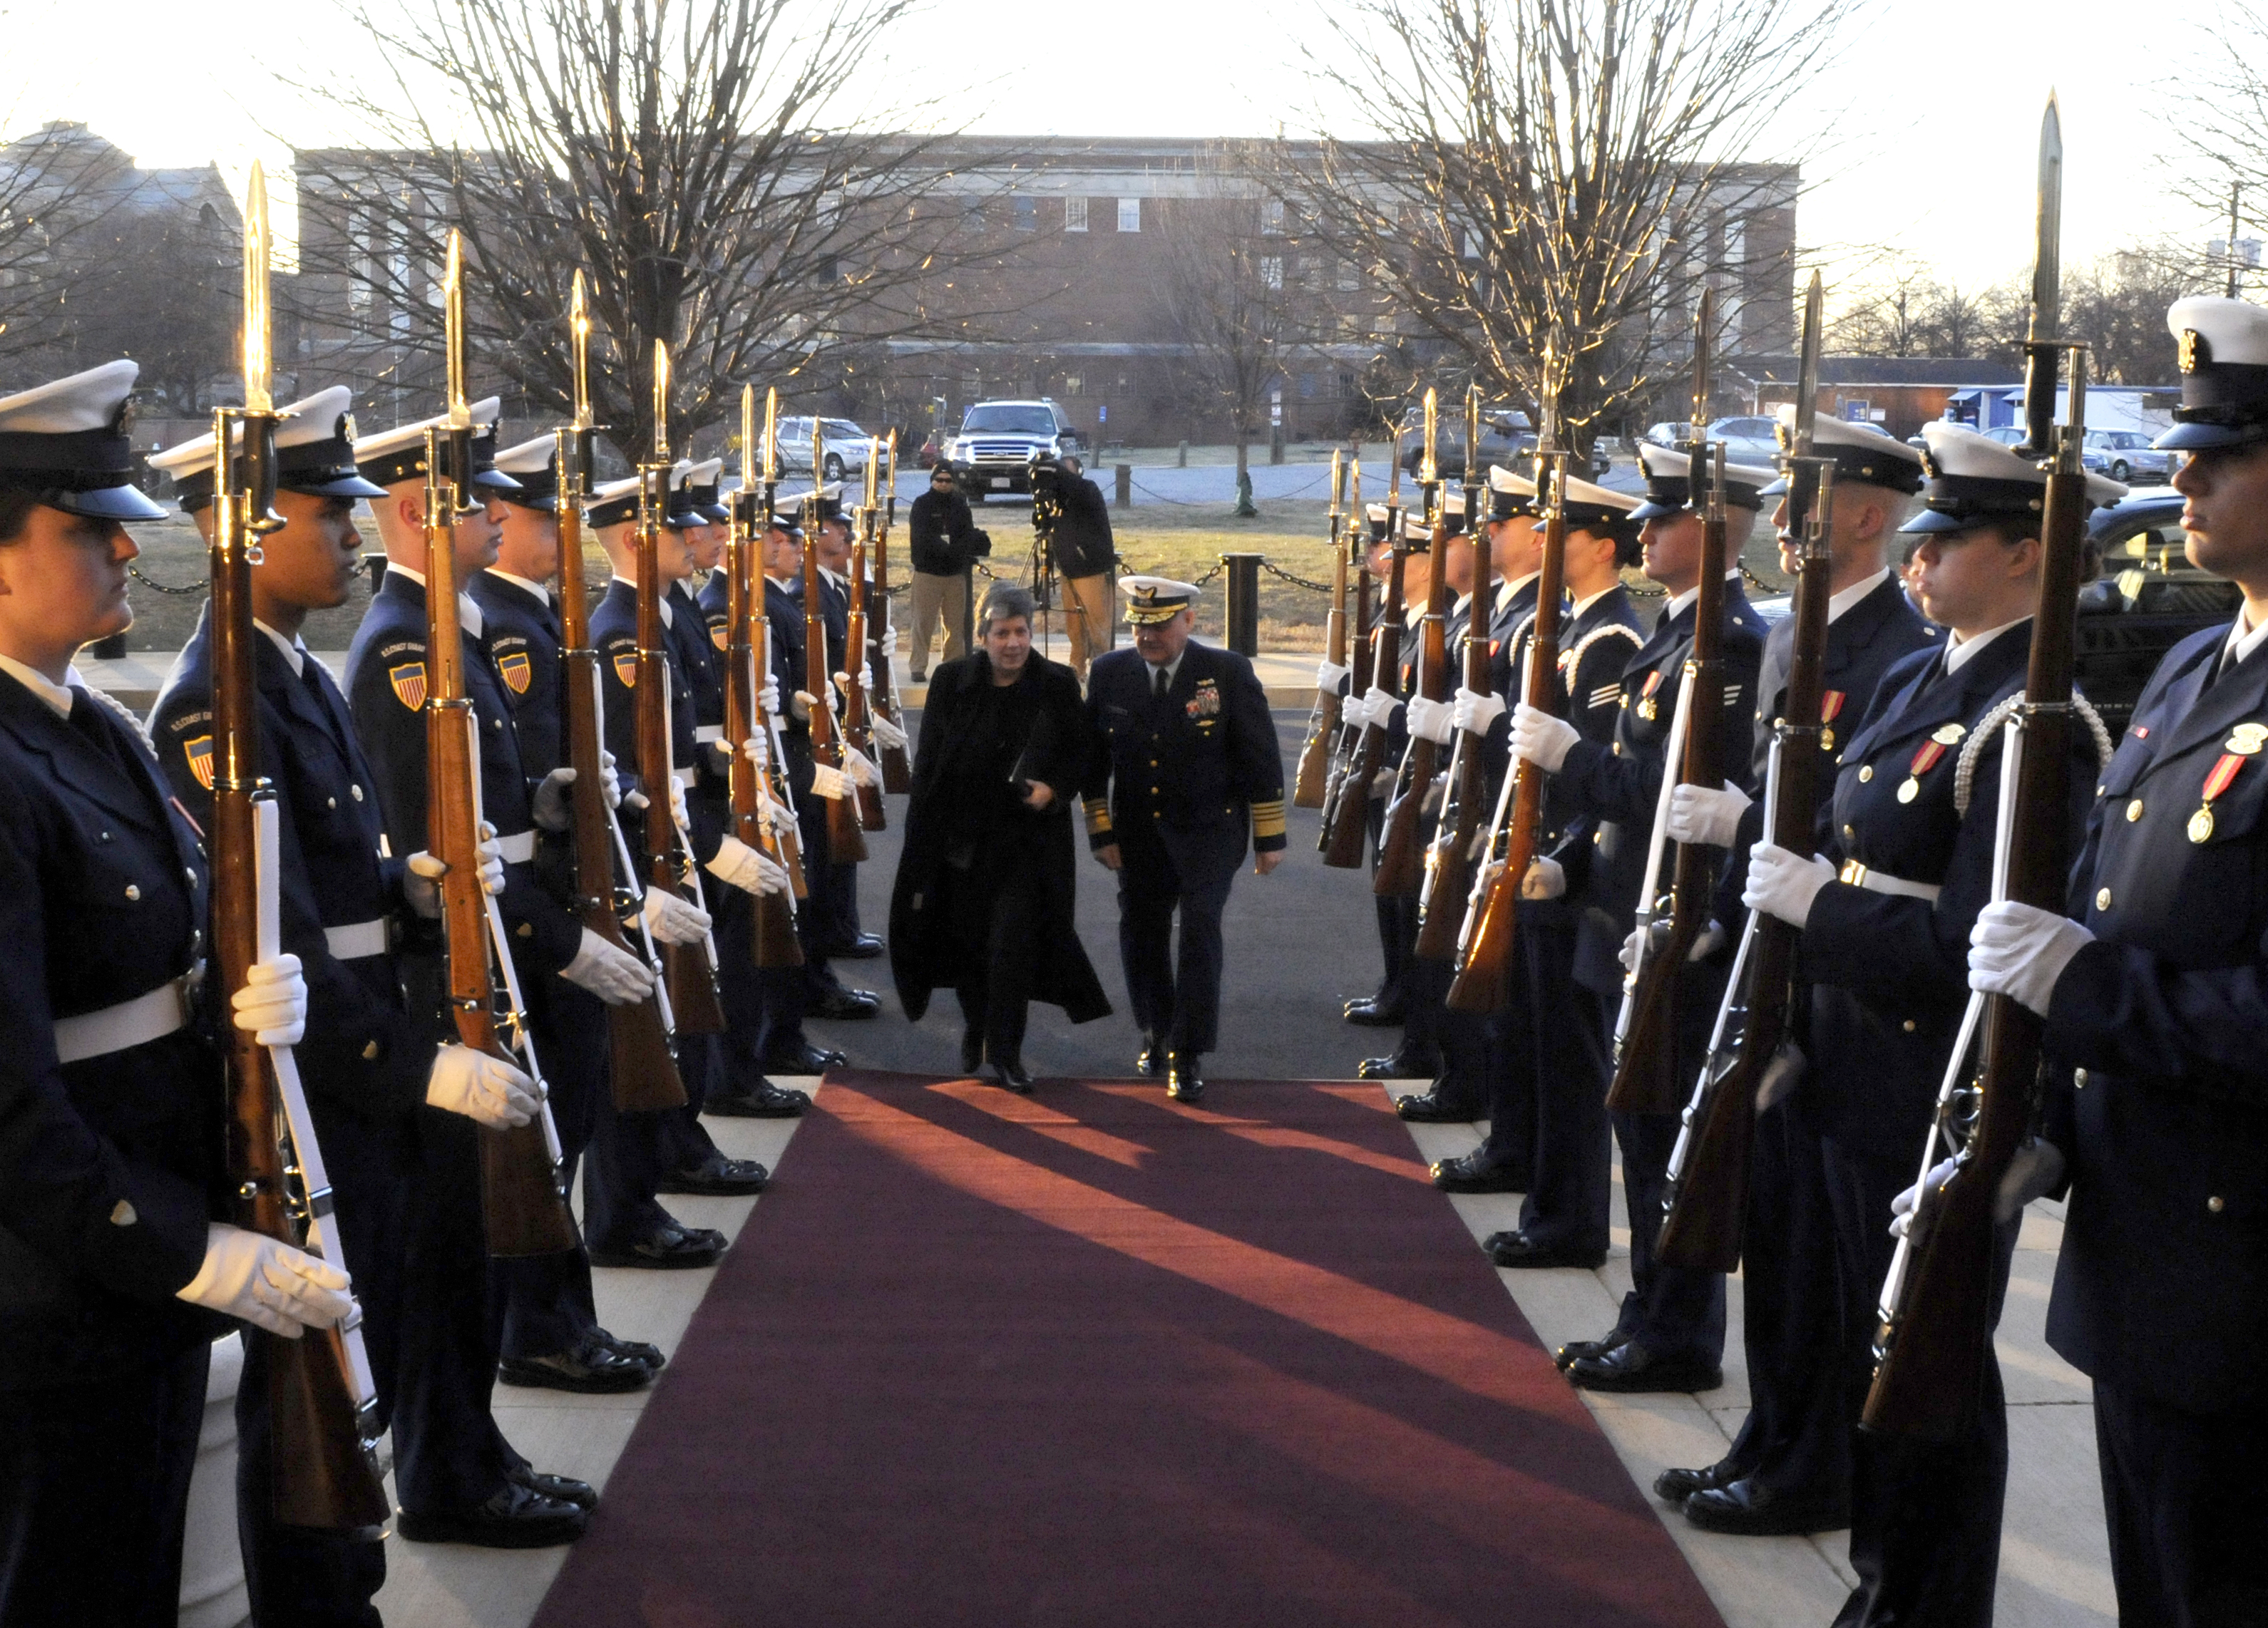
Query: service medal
pixel 2224 771
pixel 1926 759
pixel 1826 738
pixel 1908 792
pixel 1831 707
pixel 2246 739
pixel 2201 825
pixel 1951 735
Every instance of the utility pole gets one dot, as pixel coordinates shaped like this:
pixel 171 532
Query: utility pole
pixel 2236 261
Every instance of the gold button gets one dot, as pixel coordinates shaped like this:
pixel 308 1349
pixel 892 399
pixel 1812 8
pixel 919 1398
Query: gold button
pixel 2134 810
pixel 526 929
pixel 103 836
pixel 2078 1079
pixel 2103 899
pixel 1849 833
pixel 1908 1025
pixel 356 792
pixel 330 803
pixel 2216 1204
pixel 133 891
pixel 2100 790
pixel 1866 775
pixel 191 874
pixel 370 1052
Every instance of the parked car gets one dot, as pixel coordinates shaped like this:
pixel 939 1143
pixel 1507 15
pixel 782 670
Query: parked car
pixel 994 451
pixel 1506 435
pixel 1666 435
pixel 2125 455
pixel 1752 441
pixel 844 446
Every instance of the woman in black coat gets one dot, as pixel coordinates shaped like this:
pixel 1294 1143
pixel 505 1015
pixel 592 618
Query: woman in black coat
pixel 987 878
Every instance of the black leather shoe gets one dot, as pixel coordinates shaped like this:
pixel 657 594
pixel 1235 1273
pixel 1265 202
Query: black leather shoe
pixel 1745 1509
pixel 636 1350
pixel 811 1060
pixel 865 947
pixel 1370 1014
pixel 565 1489
pixel 1438 1107
pixel 1517 1248
pixel 591 1368
pixel 1475 1172
pixel 1575 1350
pixel 515 1518
pixel 846 1005
pixel 719 1178
pixel 1676 1486
pixel 1011 1074
pixel 972 1052
pixel 665 1250
pixel 1183 1083
pixel 1402 1065
pixel 1630 1367
pixel 1151 1062
pixel 766 1102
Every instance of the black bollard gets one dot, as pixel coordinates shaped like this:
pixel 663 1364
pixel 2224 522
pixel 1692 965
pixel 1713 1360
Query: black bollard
pixel 1243 573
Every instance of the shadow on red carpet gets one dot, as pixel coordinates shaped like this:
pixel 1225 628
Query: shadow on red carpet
pixel 1094 1358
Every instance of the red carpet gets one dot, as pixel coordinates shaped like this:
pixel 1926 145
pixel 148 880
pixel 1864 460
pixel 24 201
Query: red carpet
pixel 1093 1359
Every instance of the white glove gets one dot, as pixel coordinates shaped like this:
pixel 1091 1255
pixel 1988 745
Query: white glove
pixel 554 806
pixel 269 1285
pixel 1546 878
pixel 889 735
pixel 1782 885
pixel 272 1003
pixel 738 865
pixel 1903 1207
pixel 677 814
pixel 420 886
pixel 1706 943
pixel 672 920
pixel 769 697
pixel 855 679
pixel 799 706
pixel 1628 953
pixel 1540 738
pixel 1711 818
pixel 829 782
pixel 2035 1171
pixel 1432 721
pixel 2019 951
pixel 757 749
pixel 860 767
pixel 614 976
pixel 1328 676
pixel 1475 711
pixel 611 789
pixel 481 1087
pixel 783 816
pixel 1378 706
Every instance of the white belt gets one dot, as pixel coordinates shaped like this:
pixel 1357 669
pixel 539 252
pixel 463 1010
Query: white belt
pixel 1874 882
pixel 709 734
pixel 132 1022
pixel 358 939
pixel 518 848
pixel 687 778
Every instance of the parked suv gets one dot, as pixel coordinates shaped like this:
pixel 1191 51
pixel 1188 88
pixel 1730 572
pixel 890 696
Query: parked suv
pixel 843 444
pixel 1507 436
pixel 993 451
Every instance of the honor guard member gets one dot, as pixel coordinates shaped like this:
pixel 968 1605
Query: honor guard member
pixel 2153 999
pixel 370 1068
pixel 473 1496
pixel 1670 1335
pixel 1386 1008
pixel 785 1047
pixel 1885 946
pixel 839 917
pixel 112 1173
pixel 1186 766
pixel 671 1146
pixel 1554 1029
pixel 1790 1468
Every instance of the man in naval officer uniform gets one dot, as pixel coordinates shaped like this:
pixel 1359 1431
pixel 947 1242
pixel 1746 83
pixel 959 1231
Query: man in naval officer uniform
pixel 1186 766
pixel 112 1174
pixel 2154 1000
pixel 1790 1468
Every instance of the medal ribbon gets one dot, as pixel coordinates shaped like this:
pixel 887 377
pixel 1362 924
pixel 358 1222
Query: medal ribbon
pixel 2223 772
pixel 1830 703
pixel 1925 759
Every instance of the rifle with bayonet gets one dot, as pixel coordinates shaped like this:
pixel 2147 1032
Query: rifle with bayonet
pixel 1486 940
pixel 1348 728
pixel 786 831
pixel 642 1070
pixel 1401 848
pixel 689 969
pixel 858 719
pixel 1706 1198
pixel 523 1198
pixel 846 834
pixel 321 1400
pixel 1645 1030
pixel 1935 1335
pixel 1449 857
pixel 897 769
pixel 754 810
pixel 1313 775
pixel 1348 816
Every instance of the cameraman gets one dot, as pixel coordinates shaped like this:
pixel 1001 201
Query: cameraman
pixel 1084 555
pixel 944 542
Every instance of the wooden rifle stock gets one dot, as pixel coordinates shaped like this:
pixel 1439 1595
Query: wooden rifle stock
pixel 1313 778
pixel 1401 849
pixel 321 1406
pixel 846 834
pixel 1349 812
pixel 1482 983
pixel 1936 1334
pixel 857 720
pixel 774 941
pixel 897 769
pixel 523 1198
pixel 1449 858
pixel 1707 1197
pixel 1365 648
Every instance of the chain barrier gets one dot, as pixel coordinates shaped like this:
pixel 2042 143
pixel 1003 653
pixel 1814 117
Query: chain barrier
pixel 135 572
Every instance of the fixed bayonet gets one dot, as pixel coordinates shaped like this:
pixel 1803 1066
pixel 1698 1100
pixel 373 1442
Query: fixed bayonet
pixel 2042 353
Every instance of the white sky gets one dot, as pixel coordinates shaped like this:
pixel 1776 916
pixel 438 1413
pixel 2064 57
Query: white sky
pixel 1932 136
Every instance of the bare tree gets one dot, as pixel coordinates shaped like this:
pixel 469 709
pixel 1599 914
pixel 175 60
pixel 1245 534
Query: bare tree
pixel 1565 173
pixel 67 196
pixel 1909 311
pixel 710 164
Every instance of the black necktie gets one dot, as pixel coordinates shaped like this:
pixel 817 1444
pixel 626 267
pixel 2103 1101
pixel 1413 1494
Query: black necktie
pixel 1157 688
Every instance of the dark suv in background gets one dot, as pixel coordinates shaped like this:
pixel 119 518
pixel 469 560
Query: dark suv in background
pixel 2147 599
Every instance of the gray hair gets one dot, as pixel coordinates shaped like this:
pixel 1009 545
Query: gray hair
pixel 1004 602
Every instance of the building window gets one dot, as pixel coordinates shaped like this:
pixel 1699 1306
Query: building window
pixel 1471 247
pixel 1346 385
pixel 1129 214
pixel 1071 381
pixel 1271 270
pixel 1027 214
pixel 1074 215
pixel 1272 218
pixel 1349 277
pixel 1306 386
